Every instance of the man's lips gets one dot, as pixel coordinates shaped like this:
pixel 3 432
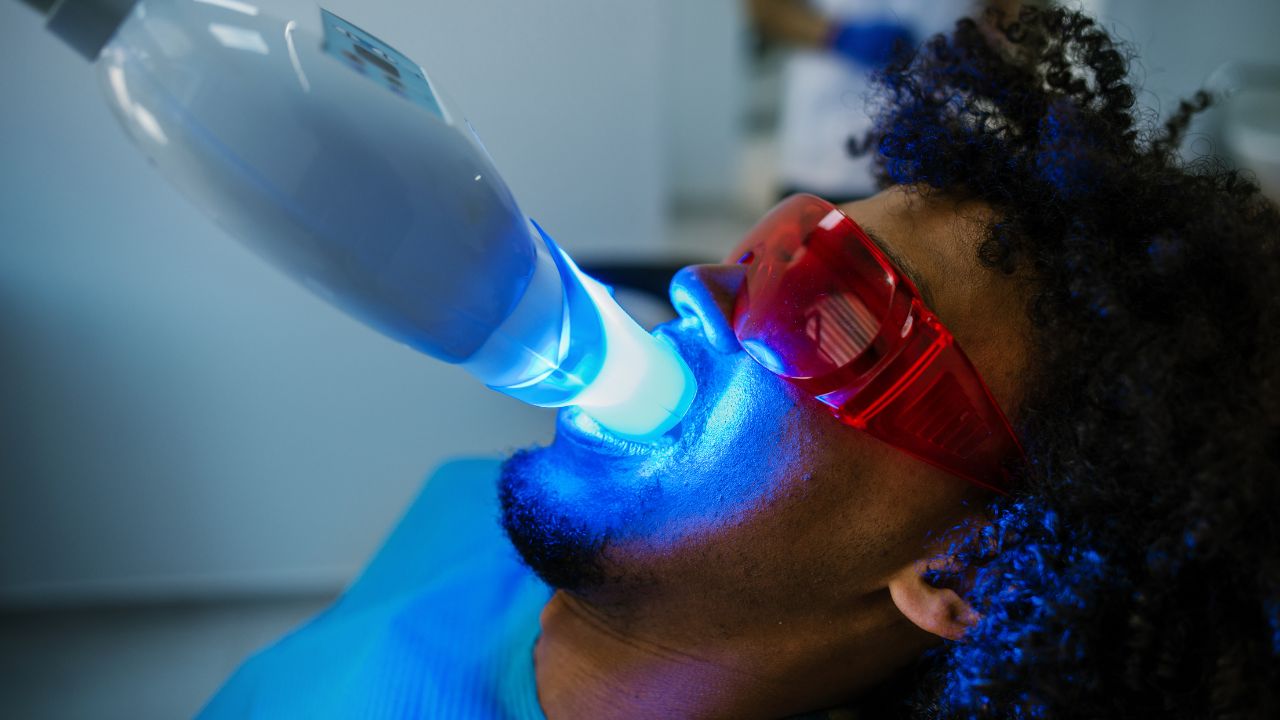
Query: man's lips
pixel 579 427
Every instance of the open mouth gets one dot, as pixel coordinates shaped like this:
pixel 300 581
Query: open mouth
pixel 582 429
pixel 579 427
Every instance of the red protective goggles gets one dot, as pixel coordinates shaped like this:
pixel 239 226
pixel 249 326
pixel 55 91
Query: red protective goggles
pixel 823 307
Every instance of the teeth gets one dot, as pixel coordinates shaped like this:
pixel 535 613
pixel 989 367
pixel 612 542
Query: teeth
pixel 588 431
pixel 591 433
pixel 585 423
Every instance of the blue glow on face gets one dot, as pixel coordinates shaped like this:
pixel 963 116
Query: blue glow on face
pixel 589 486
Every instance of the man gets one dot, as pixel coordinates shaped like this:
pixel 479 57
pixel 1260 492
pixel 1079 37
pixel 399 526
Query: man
pixel 768 560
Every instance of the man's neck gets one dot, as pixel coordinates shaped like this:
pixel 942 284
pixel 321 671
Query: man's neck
pixel 586 667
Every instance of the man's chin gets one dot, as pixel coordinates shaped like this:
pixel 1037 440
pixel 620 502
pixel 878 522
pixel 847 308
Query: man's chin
pixel 559 548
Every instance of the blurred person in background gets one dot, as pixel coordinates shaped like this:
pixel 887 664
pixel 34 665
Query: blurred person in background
pixel 837 45
pixel 773 562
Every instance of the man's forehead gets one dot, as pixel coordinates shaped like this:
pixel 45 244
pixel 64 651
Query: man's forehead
pixel 933 240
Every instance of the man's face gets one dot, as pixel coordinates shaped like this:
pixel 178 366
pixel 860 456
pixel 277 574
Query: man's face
pixel 761 493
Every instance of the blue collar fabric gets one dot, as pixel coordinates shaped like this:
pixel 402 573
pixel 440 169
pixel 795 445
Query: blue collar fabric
pixel 441 624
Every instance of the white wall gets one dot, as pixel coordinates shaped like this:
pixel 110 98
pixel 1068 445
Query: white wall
pixel 704 66
pixel 175 418
pixel 1180 43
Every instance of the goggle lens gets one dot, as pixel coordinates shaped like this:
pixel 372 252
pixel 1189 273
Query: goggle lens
pixel 814 299
pixel 822 306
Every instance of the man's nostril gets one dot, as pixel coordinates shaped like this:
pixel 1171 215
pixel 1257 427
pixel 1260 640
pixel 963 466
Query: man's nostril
pixel 706 293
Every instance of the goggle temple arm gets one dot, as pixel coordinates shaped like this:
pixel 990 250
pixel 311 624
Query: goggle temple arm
pixel 933 405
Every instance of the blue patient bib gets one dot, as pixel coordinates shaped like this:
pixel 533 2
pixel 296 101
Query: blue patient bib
pixel 441 624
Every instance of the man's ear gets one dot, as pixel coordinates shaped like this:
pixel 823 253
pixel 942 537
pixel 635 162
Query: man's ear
pixel 937 610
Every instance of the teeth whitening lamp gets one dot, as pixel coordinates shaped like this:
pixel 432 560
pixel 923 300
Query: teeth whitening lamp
pixel 337 159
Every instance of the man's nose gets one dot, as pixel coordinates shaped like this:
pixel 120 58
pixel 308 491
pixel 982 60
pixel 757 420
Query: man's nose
pixel 707 293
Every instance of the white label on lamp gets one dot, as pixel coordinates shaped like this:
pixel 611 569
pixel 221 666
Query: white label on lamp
pixel 378 62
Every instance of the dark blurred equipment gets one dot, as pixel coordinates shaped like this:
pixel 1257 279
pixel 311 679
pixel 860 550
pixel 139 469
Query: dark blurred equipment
pixel 85 25
pixel 649 277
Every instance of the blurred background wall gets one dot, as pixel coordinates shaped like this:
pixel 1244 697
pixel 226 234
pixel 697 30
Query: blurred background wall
pixel 1181 42
pixel 1227 46
pixel 178 423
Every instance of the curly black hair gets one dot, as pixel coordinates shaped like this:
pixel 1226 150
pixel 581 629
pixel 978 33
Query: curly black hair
pixel 1135 572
